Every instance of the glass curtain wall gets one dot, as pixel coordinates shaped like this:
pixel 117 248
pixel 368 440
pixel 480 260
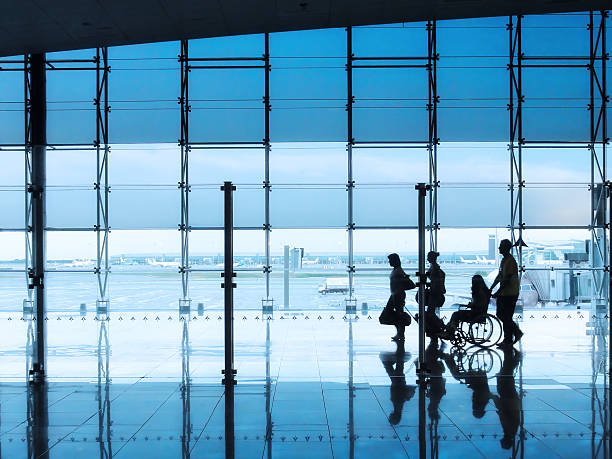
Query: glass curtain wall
pixel 325 134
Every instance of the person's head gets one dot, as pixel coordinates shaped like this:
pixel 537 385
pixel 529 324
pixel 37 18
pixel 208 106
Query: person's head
pixel 432 256
pixel 478 283
pixel 505 246
pixel 394 260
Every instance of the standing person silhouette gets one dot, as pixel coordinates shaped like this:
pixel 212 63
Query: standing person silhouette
pixel 434 295
pixel 507 294
pixel 399 282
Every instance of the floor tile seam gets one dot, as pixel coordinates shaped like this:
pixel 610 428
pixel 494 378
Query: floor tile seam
pixel 316 349
pixel 197 438
pixel 147 420
pixel 97 412
pixel 281 358
pixel 556 409
pixel 385 415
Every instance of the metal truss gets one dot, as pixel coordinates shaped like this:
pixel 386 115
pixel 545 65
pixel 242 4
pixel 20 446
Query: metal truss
pixel 29 264
pixel 433 141
pixel 598 142
pixel 515 146
pixel 101 185
pixel 184 186
pixel 268 301
pixel 350 142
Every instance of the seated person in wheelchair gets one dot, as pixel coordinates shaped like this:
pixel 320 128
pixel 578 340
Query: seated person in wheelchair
pixel 476 308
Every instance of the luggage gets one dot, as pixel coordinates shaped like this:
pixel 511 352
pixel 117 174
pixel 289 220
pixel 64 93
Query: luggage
pixel 389 316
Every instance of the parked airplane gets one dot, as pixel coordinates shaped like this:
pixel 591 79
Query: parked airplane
pixel 310 262
pixel 485 261
pixel 163 264
pixel 469 262
pixel 477 261
pixel 81 263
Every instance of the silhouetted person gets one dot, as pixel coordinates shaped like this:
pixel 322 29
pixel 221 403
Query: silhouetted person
pixel 434 295
pixel 477 306
pixel 508 402
pixel 399 282
pixel 399 391
pixel 508 293
pixel 436 384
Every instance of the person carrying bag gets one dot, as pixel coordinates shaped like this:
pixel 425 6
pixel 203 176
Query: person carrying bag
pixel 393 313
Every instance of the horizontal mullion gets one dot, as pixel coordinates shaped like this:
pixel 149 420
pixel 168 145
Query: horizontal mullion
pixel 222 67
pixel 388 58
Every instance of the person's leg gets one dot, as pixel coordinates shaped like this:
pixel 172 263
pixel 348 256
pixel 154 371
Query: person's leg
pixel 502 315
pixel 460 316
pixel 516 331
pixel 400 332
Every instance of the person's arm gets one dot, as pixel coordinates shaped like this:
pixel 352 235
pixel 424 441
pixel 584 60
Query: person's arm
pixel 496 281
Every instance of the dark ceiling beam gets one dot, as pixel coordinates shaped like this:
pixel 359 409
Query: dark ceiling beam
pixel 36 26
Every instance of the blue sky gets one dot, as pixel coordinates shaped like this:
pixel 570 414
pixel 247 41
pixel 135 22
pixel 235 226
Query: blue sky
pixel 308 130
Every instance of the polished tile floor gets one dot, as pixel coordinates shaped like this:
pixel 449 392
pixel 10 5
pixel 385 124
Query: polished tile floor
pixel 310 384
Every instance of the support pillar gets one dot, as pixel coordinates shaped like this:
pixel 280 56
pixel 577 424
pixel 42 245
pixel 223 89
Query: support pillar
pixel 228 285
pixel 433 140
pixel 102 185
pixel 421 275
pixel 36 189
pixel 351 302
pixel 515 146
pixel 268 302
pixel 184 186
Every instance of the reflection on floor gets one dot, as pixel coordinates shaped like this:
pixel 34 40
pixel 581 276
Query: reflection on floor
pixel 309 385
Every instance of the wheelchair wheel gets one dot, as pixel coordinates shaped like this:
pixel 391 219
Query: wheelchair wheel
pixel 459 339
pixel 498 331
pixel 481 332
pixel 485 360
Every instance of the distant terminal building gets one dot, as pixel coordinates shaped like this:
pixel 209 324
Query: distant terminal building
pixel 492 247
pixel 295 259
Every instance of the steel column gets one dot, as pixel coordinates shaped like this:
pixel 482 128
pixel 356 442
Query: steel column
pixel 184 186
pixel 38 120
pixel 102 186
pixel 515 109
pixel 267 147
pixel 597 148
pixel 228 284
pixel 350 186
pixel 422 190
pixel 433 140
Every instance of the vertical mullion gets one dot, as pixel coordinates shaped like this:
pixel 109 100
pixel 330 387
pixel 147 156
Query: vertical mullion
pixel 101 185
pixel 349 149
pixel 184 182
pixel 432 145
pixel 267 188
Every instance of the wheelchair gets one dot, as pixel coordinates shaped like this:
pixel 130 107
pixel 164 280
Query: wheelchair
pixel 484 330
